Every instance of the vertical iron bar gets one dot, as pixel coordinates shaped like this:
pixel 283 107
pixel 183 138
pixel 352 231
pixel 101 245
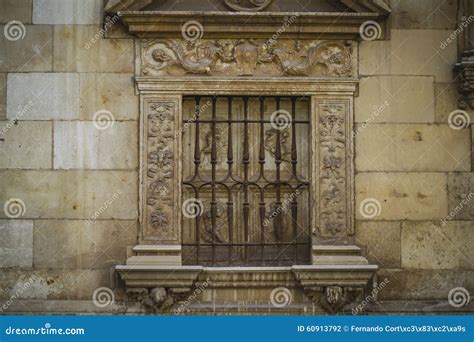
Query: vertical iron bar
pixel 230 161
pixel 294 155
pixel 213 179
pixel 277 220
pixel 197 162
pixel 246 162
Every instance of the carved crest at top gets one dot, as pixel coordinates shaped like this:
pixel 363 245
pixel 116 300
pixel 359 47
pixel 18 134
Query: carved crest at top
pixel 247 5
pixel 247 57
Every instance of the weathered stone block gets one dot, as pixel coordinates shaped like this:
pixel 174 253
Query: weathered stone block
pixel 91 244
pixel 43 96
pixel 16 243
pixel 80 48
pixel 88 145
pixel 431 245
pixel 401 195
pixel 19 10
pixel 399 99
pixel 67 12
pixel 381 240
pixel 461 196
pixel 423 284
pixel 424 14
pixel 72 194
pixel 446 101
pixel 26 145
pixel 112 92
pixel 3 96
pixel 32 53
pixel 397 57
pixel 411 147
pixel 52 283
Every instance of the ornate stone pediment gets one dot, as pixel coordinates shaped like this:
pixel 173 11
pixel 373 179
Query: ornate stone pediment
pixel 247 57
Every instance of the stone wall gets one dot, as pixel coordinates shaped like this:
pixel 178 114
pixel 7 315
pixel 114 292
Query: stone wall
pixel 75 178
pixel 410 159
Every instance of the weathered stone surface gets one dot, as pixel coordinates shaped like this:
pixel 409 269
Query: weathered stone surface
pixel 43 96
pixel 86 145
pixel 3 95
pixel 77 49
pixel 431 245
pixel 396 99
pixel 411 147
pixel 88 244
pixel 26 145
pixel 403 195
pixel 397 56
pixel 32 53
pixel 424 14
pixel 112 92
pixel 461 195
pixel 15 10
pixel 72 194
pixel 382 242
pixel 66 12
pixel 446 101
pixel 16 243
pixel 52 284
pixel 423 284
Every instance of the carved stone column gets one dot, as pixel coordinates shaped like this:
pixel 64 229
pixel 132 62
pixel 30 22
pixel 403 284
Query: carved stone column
pixel 160 196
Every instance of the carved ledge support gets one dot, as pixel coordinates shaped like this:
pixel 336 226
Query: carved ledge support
pixel 465 75
pixel 159 288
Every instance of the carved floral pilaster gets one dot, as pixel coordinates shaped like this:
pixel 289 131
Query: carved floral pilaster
pixel 160 169
pixel 332 166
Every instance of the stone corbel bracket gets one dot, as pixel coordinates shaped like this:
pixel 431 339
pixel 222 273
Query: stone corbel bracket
pixel 334 286
pixel 158 288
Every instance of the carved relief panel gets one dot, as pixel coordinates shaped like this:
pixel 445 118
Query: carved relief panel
pixel 161 169
pixel 247 57
pixel 332 170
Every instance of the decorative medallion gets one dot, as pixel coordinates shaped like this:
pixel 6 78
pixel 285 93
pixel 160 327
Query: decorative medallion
pixel 247 5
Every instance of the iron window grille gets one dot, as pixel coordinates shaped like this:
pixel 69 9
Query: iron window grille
pixel 246 164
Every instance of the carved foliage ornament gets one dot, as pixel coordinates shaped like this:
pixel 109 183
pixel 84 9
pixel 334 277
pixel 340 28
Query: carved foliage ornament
pixel 332 168
pixel 247 57
pixel 247 5
pixel 160 170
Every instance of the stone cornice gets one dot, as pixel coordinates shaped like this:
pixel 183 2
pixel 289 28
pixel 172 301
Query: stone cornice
pixel 309 25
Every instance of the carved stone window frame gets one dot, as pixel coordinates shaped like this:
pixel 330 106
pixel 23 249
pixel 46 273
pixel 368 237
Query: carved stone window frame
pixel 154 274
